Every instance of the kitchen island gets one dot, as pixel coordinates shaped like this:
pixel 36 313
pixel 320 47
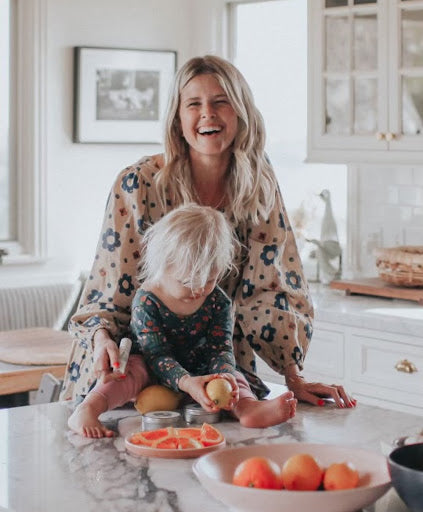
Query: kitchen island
pixel 46 468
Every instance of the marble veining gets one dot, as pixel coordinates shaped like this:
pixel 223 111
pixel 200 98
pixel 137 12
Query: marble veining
pixel 46 468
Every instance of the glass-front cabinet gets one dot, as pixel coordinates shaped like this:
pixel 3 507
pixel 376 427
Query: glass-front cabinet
pixel 365 81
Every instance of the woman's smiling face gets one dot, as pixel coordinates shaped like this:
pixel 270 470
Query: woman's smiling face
pixel 208 121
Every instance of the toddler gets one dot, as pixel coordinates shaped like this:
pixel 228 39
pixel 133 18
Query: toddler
pixel 182 325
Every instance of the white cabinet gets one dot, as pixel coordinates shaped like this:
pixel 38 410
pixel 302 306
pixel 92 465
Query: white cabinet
pixel 365 81
pixel 377 367
pixel 386 369
pixel 325 358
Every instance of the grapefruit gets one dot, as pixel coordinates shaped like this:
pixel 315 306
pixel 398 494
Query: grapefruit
pixel 258 472
pixel 210 435
pixel 301 472
pixel 178 438
pixel 157 398
pixel 149 437
pixel 341 475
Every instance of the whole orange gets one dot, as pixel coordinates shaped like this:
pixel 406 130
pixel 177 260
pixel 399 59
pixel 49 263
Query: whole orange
pixel 301 472
pixel 258 472
pixel 342 475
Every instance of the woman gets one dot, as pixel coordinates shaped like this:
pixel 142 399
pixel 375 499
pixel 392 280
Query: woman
pixel 214 155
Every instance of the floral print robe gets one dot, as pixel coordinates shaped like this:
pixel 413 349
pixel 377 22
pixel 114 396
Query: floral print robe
pixel 273 311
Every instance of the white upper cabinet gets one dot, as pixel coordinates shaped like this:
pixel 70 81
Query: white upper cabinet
pixel 365 81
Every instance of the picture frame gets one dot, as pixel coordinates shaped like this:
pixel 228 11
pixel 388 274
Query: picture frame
pixel 121 94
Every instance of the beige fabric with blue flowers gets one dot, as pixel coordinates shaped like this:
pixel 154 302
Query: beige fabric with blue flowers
pixel 272 307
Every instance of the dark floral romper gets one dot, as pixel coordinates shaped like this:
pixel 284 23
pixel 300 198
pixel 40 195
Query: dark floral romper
pixel 175 345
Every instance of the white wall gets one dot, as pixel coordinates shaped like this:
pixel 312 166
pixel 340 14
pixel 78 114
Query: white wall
pixel 386 210
pixel 79 176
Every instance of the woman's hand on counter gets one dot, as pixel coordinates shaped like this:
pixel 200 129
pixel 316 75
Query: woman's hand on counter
pixel 315 392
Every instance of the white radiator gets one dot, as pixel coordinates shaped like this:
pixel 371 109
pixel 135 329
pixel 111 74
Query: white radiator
pixel 36 306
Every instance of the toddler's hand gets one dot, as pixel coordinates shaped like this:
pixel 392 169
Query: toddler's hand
pixel 195 387
pixel 235 389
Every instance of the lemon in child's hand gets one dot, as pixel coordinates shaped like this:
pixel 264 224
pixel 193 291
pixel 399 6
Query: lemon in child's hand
pixel 220 392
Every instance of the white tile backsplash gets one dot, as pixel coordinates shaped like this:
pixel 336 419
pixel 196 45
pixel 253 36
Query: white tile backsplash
pixel 390 207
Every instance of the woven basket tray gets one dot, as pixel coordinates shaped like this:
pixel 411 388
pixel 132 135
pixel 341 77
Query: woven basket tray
pixel 402 266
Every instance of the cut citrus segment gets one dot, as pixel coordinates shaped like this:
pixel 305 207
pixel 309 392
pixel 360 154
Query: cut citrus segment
pixel 169 443
pixel 148 437
pixel 193 433
pixel 178 438
pixel 210 435
pixel 186 442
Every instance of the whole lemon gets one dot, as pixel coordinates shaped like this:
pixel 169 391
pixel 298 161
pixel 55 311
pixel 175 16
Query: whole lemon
pixel 220 392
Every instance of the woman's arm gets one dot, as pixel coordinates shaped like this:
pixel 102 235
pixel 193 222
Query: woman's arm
pixel 106 299
pixel 274 308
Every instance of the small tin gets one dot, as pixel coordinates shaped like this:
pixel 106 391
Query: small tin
pixel 160 419
pixel 194 413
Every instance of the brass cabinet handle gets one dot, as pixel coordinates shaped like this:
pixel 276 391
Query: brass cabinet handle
pixel 390 136
pixel 380 135
pixel 406 366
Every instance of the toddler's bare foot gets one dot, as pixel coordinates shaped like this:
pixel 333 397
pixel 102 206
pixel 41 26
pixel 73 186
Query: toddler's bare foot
pixel 84 420
pixel 265 413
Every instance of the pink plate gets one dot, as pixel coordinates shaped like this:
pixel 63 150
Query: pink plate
pixel 163 453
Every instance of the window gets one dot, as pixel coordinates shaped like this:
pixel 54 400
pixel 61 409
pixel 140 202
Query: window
pixel 270 48
pixel 6 141
pixel 23 129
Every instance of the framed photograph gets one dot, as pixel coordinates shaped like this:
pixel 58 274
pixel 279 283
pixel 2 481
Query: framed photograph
pixel 120 95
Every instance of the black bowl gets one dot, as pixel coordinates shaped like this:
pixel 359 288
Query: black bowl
pixel 406 469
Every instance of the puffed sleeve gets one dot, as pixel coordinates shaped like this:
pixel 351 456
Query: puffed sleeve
pixel 110 286
pixel 274 311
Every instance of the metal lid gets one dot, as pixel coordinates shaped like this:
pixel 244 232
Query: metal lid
pixel 194 413
pixel 161 418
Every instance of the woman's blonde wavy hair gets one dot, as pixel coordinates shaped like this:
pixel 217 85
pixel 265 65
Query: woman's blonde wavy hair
pixel 251 184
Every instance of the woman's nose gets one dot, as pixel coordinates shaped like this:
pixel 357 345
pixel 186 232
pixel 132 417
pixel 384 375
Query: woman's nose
pixel 208 111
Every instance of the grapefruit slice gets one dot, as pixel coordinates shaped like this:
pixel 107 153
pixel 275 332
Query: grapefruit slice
pixel 192 433
pixel 169 443
pixel 149 437
pixel 185 443
pixel 210 435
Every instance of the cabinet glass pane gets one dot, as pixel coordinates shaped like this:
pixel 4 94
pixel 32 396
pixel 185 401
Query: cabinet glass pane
pixel 365 42
pixel 412 105
pixel 359 2
pixel 412 38
pixel 336 3
pixel 337 43
pixel 337 107
pixel 365 105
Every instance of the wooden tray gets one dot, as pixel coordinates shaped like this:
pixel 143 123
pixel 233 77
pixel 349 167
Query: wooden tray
pixel 378 288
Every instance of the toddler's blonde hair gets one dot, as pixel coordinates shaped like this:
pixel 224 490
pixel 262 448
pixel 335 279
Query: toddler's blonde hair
pixel 192 242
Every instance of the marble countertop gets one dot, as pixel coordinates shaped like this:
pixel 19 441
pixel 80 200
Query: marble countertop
pixel 389 315
pixel 46 468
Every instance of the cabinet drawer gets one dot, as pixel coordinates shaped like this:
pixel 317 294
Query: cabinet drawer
pixel 373 371
pixel 325 356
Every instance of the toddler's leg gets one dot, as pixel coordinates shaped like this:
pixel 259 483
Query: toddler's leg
pixel 262 413
pixel 104 397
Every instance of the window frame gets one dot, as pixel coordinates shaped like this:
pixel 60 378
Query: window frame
pixel 28 164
